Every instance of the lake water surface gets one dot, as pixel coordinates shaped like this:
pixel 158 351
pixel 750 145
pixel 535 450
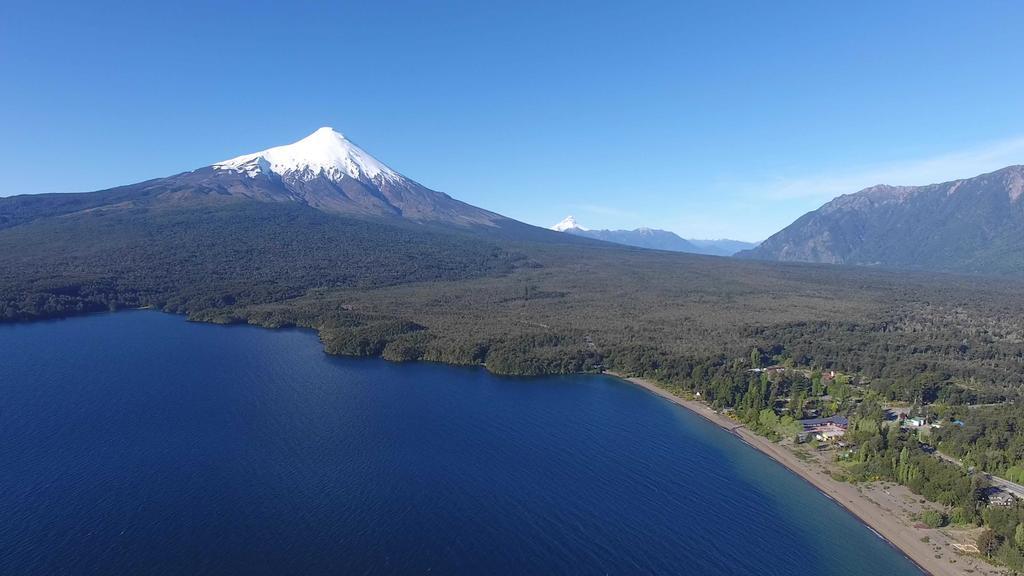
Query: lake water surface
pixel 139 443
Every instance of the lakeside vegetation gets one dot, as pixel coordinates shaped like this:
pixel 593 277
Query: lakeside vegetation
pixel 878 447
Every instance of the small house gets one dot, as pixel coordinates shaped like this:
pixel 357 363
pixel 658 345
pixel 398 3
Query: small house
pixel 916 422
pixel 823 429
pixel 999 497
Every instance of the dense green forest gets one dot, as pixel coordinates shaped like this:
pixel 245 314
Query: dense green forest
pixel 520 303
pixel 883 451
pixel 877 448
pixel 691 321
pixel 991 439
pixel 218 257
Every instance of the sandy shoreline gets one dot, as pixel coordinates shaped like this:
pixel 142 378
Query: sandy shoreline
pixel 890 527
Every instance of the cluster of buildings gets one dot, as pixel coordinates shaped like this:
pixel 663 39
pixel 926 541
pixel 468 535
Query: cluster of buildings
pixel 907 422
pixel 823 429
pixel 826 375
pixel 834 427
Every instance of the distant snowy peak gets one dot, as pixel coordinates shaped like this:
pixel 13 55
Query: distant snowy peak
pixel 325 152
pixel 569 223
pixel 654 239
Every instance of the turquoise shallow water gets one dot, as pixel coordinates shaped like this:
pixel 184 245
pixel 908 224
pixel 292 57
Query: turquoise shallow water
pixel 137 442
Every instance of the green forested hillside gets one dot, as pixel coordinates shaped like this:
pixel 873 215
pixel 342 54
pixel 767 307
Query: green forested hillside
pixel 690 320
pixel 973 225
pixel 525 302
pixel 189 260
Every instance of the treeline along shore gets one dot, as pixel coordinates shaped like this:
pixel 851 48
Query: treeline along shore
pixel 885 523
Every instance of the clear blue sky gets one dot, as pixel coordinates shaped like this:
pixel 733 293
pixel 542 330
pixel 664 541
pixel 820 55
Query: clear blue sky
pixel 715 119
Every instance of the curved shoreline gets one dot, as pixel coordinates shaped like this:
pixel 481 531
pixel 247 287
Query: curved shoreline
pixel 885 525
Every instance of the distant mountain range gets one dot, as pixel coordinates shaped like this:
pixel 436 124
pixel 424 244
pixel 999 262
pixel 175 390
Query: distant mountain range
pixel 721 246
pixel 974 225
pixel 655 239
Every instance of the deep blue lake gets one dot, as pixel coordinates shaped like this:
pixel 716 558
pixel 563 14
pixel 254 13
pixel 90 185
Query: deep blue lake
pixel 139 443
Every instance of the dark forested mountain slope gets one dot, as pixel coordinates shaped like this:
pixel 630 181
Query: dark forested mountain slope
pixel 974 225
pixel 191 258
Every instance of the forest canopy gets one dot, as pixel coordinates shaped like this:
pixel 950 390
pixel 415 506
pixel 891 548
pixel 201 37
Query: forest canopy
pixel 521 301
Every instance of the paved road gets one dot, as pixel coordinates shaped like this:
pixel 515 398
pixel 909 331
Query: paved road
pixel 1011 487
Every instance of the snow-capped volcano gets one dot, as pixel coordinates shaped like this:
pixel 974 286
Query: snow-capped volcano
pixel 324 171
pixel 569 223
pixel 327 171
pixel 325 152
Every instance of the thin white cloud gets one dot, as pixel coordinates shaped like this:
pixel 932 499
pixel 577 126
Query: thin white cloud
pixel 941 168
